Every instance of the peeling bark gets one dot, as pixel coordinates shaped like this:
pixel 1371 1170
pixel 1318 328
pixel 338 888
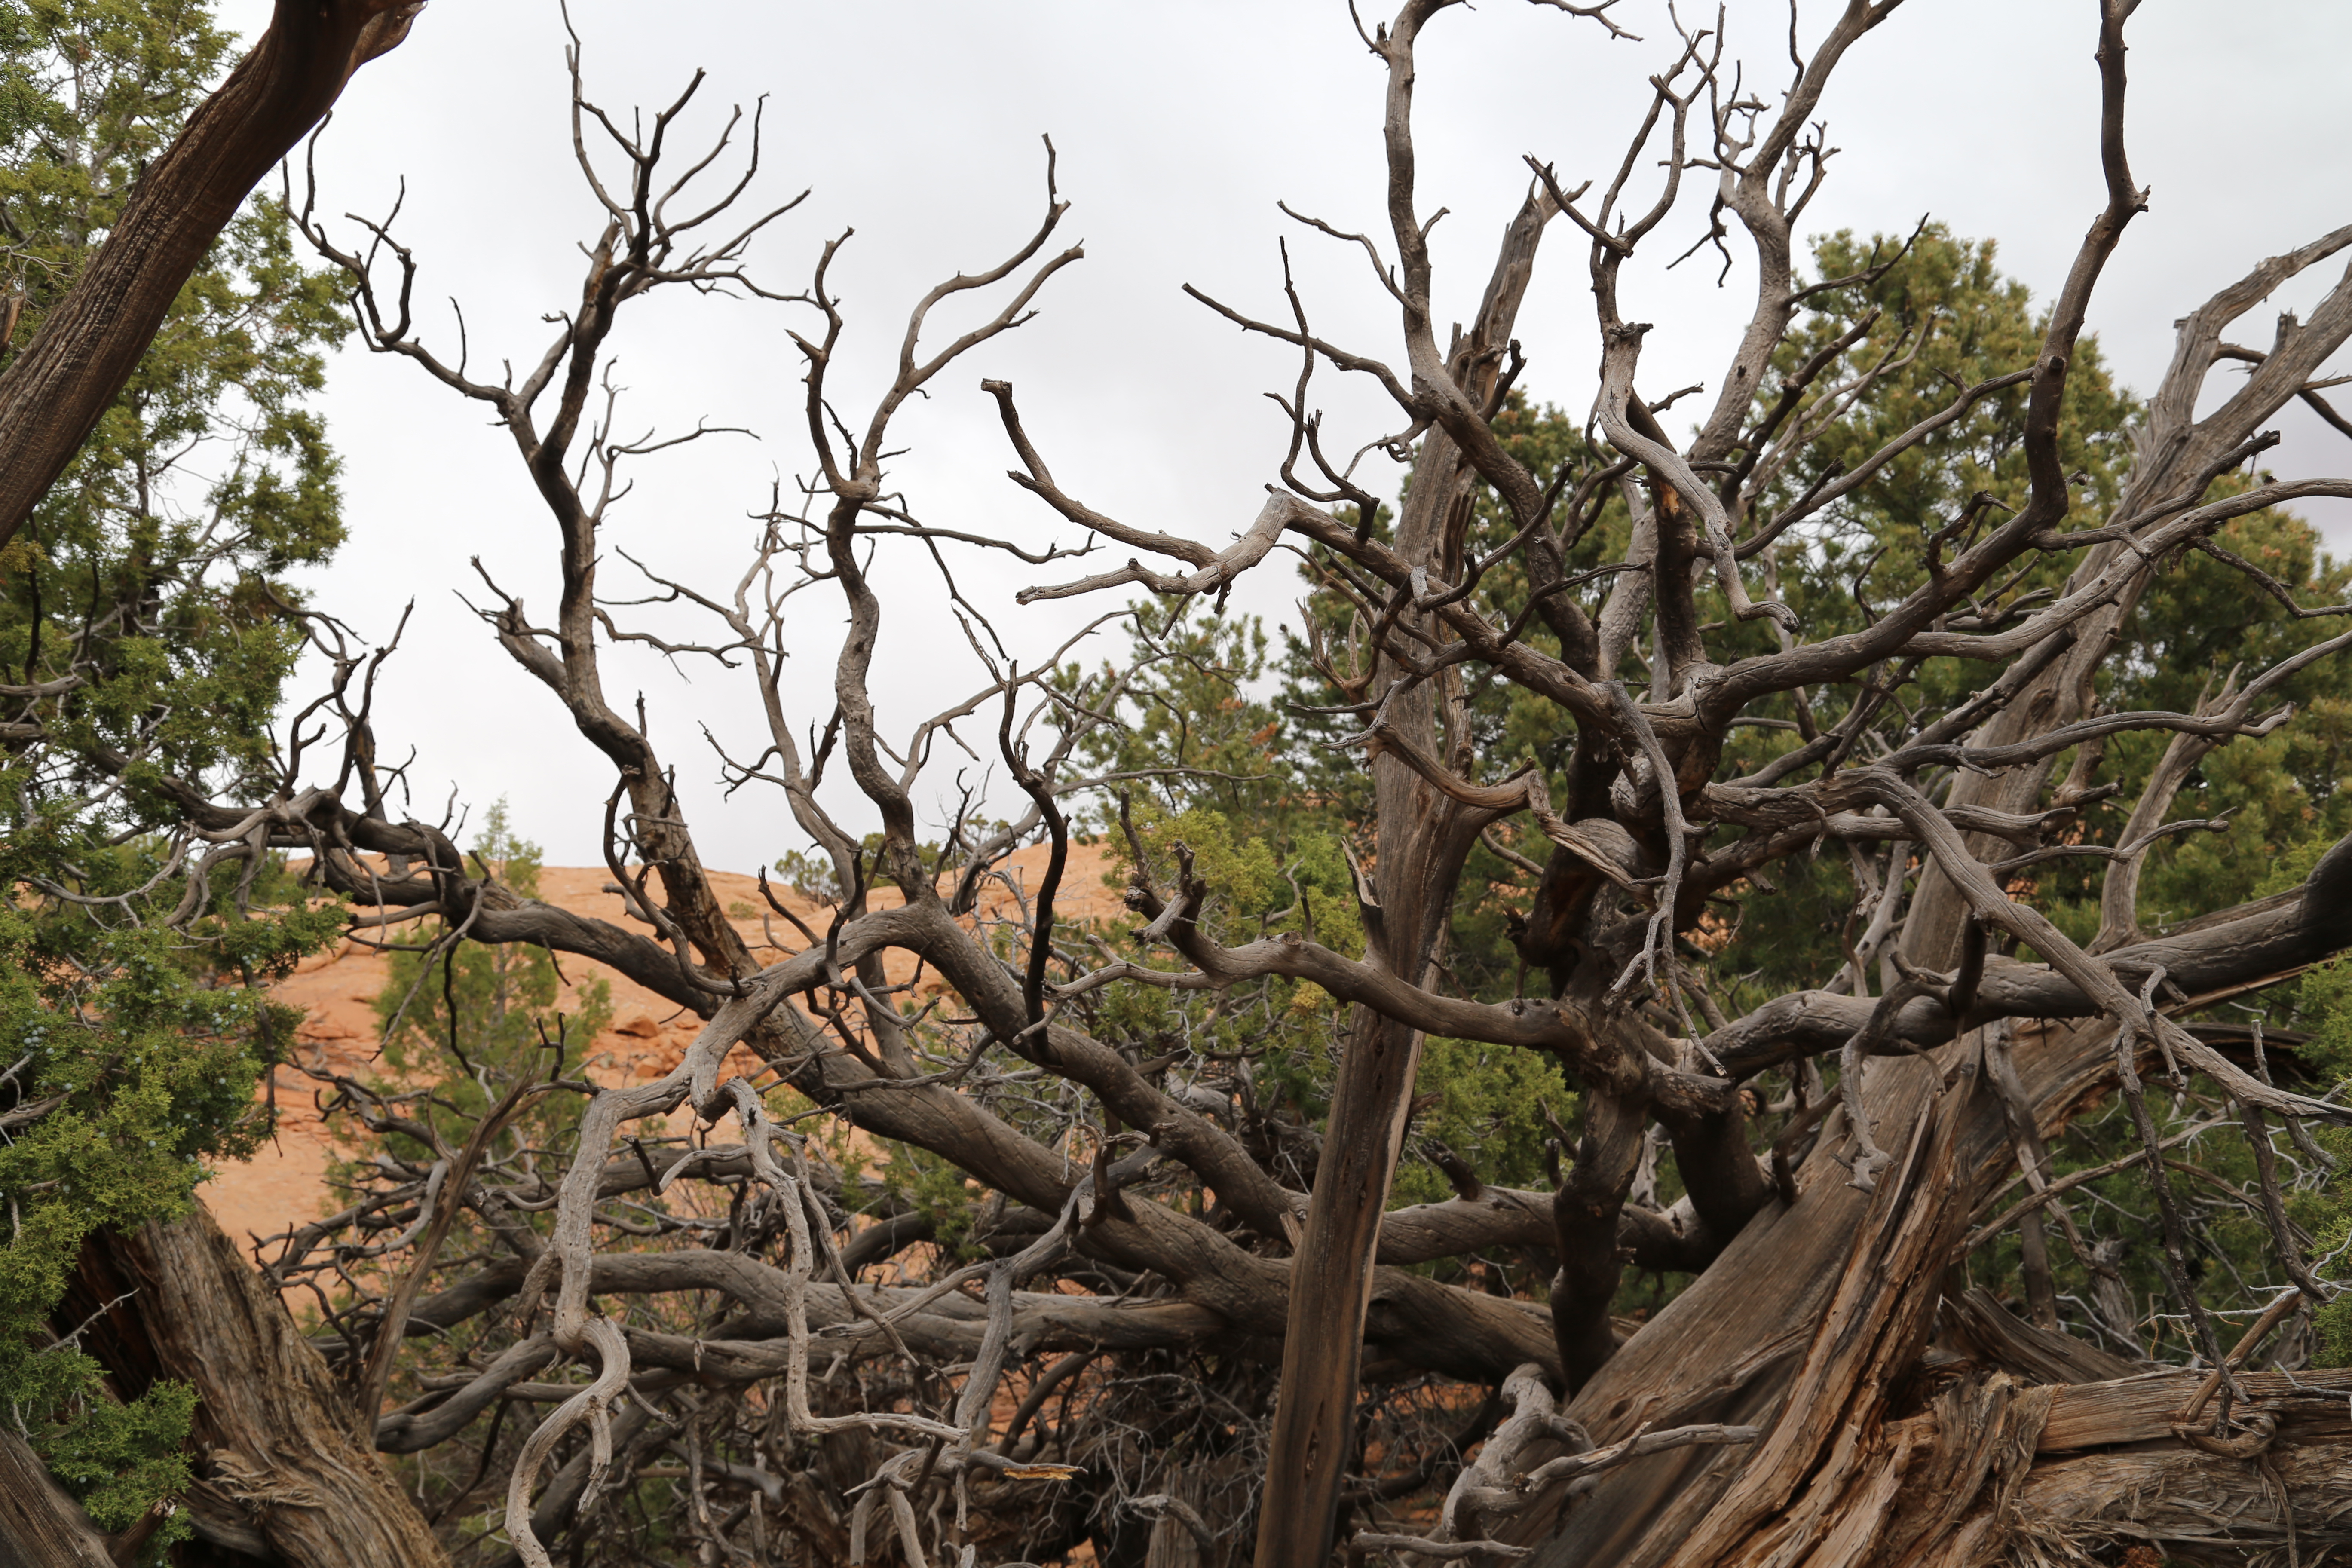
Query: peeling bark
pixel 279 1463
pixel 40 1526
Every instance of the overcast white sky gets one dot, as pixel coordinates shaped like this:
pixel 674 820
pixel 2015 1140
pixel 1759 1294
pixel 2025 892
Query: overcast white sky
pixel 917 121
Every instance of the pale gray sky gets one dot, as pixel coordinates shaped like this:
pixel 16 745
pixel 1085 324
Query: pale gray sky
pixel 1179 127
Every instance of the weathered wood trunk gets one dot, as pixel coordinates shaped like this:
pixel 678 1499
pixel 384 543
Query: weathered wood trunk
pixel 1423 841
pixel 1183 1536
pixel 40 1526
pixel 1813 1325
pixel 284 1472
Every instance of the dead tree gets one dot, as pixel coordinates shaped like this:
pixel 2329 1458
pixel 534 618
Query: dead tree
pixel 1789 1404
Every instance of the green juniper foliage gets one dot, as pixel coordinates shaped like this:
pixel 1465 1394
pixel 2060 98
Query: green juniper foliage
pixel 1238 780
pixel 471 1021
pixel 2200 624
pixel 148 632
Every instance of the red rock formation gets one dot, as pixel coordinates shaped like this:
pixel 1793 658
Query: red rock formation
pixel 285 1184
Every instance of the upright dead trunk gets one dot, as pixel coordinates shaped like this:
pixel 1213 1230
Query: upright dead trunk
pixel 1422 840
pixel 1332 1275
pixel 282 1466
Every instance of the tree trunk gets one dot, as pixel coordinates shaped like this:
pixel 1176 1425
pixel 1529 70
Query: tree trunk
pixel 283 1467
pixel 40 1526
pixel 1330 1292
pixel 1184 1535
pixel 1422 843
pixel 52 395
pixel 1810 1326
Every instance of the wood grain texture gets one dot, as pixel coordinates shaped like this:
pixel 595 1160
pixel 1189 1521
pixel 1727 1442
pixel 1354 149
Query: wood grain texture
pixel 1821 1470
pixel 1994 1336
pixel 40 1526
pixel 278 1446
pixel 2199 1507
pixel 2309 1406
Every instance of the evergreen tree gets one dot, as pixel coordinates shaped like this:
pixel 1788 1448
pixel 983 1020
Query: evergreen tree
pixel 465 1022
pixel 147 631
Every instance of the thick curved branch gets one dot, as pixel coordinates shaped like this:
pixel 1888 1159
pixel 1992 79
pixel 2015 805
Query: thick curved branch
pixel 52 394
